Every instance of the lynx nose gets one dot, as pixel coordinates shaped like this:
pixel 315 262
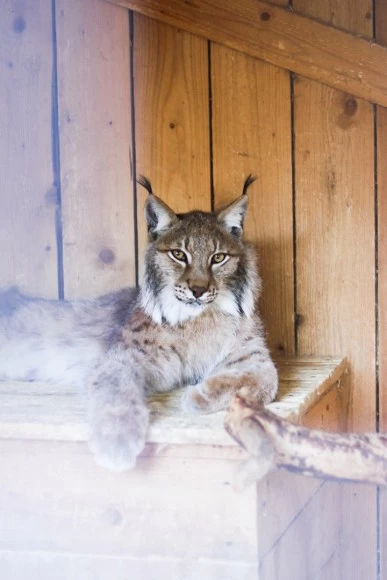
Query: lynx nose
pixel 198 291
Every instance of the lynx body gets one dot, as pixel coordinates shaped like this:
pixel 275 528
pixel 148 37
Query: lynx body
pixel 192 324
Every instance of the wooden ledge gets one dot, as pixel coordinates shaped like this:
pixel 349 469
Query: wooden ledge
pixel 35 411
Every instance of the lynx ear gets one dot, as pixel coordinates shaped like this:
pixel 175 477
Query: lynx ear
pixel 232 217
pixel 158 215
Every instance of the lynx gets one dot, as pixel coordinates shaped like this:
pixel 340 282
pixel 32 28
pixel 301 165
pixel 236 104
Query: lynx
pixel 192 324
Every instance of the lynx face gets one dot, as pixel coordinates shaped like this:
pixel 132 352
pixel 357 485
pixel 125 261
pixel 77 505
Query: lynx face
pixel 196 261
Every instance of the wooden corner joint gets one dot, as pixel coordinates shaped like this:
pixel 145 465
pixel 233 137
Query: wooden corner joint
pixel 272 441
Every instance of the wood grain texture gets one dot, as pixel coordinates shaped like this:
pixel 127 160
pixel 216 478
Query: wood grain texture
pixel 335 234
pixel 381 21
pixel 46 565
pixel 343 14
pixel 276 514
pixel 166 515
pixel 381 135
pixel 282 38
pixel 305 549
pixel 273 441
pixel 331 414
pixel 39 411
pixel 28 196
pixel 148 521
pixel 381 128
pixel 252 134
pixel 95 144
pixel 171 97
pixel 327 544
pixel 335 241
pixel 287 502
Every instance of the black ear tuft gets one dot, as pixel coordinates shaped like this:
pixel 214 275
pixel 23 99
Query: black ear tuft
pixel 144 181
pixel 248 181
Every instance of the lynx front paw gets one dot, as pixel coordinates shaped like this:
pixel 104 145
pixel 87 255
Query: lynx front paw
pixel 216 392
pixel 266 387
pixel 117 441
pixel 193 401
pixel 199 399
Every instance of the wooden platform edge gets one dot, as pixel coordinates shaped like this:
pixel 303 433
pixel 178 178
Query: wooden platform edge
pixel 32 411
pixel 333 381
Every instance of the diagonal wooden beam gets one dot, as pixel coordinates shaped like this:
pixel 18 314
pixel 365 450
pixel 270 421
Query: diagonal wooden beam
pixel 280 37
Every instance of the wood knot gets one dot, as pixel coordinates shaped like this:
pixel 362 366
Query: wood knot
pixel 19 24
pixel 350 107
pixel 107 256
pixel 112 516
pixel 265 16
pixel 171 125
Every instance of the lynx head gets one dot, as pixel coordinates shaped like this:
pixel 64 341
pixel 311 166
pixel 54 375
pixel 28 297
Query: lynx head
pixel 196 261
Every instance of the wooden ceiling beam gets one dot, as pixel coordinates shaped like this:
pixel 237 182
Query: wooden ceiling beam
pixel 281 37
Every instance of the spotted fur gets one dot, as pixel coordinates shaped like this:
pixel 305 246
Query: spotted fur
pixel 193 324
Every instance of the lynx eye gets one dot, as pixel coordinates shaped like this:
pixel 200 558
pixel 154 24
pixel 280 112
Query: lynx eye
pixel 178 255
pixel 218 258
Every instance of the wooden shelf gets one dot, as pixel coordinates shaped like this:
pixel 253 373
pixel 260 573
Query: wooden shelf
pixel 45 412
pixel 177 514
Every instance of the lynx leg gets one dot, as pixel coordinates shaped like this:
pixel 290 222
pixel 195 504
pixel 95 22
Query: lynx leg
pixel 216 392
pixel 117 411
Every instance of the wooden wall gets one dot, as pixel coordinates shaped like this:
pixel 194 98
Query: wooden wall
pixel 92 95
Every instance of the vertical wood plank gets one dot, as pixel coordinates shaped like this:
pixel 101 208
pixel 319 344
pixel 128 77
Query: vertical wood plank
pixel 381 127
pixel 380 17
pixel 281 499
pixel 335 234
pixel 304 550
pixel 251 114
pixel 335 271
pixel 335 214
pixel 381 133
pixel 95 146
pixel 171 116
pixel 252 134
pixel 334 167
pixel 28 198
pixel 355 17
pixel 298 533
